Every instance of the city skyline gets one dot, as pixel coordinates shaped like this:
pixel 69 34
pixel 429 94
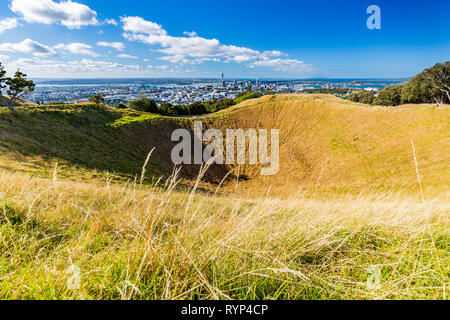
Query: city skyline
pixel 104 39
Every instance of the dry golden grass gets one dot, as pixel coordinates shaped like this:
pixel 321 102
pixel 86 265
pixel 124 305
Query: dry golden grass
pixel 140 243
pixel 328 145
pixel 344 219
pixel 336 146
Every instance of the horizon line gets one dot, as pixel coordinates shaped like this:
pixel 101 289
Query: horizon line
pixel 212 78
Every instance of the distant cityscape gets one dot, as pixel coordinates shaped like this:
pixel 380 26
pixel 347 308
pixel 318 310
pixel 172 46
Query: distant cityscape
pixel 184 91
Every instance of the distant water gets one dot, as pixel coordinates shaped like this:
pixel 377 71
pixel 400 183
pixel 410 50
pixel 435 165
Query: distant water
pixel 168 82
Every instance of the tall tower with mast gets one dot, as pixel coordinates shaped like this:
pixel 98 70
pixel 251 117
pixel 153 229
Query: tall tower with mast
pixel 223 79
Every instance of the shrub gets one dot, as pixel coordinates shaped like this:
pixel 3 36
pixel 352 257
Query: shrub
pixel 389 96
pixel 217 105
pixel 120 106
pixel 197 108
pixel 366 97
pixel 169 109
pixel 144 104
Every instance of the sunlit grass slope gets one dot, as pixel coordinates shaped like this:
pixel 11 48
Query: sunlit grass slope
pixel 129 242
pixel 344 219
pixel 335 145
pixel 327 144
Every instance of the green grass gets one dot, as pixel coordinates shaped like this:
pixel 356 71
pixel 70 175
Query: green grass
pixel 127 120
pixel 92 139
pixel 71 199
pixel 328 143
pixel 133 243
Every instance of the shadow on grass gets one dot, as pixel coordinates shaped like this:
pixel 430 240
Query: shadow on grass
pixel 102 139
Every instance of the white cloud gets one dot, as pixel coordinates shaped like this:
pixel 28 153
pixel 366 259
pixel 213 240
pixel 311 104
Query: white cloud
pixel 28 46
pixel 71 14
pixel 111 21
pixel 77 48
pixel 127 56
pixel 190 34
pixel 116 45
pixel 88 68
pixel 4 57
pixel 8 23
pixel 196 49
pixel 285 65
pixel 137 24
pixel 37 67
pixel 193 49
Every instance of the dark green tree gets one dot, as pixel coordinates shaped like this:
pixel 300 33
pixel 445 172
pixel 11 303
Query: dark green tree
pixel 2 79
pixel 97 99
pixel 430 86
pixel 418 90
pixel 144 104
pixel 197 108
pixel 389 96
pixel 169 109
pixel 120 106
pixel 17 87
pixel 439 78
pixel 363 96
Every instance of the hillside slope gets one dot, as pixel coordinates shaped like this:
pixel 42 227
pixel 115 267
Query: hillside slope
pixel 326 144
pixel 332 144
pixel 5 100
pixel 326 230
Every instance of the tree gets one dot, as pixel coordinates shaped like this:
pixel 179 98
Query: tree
pixel 120 106
pixel 97 99
pixel 364 96
pixel 2 79
pixel 430 86
pixel 197 108
pixel 418 90
pixel 439 78
pixel 144 104
pixel 18 86
pixel 389 96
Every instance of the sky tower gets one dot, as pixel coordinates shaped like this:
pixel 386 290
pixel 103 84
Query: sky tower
pixel 223 79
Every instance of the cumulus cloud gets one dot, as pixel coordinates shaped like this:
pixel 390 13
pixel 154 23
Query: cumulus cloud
pixel 193 49
pixel 285 65
pixel 116 45
pixel 190 34
pixel 137 24
pixel 88 68
pixel 37 67
pixel 8 23
pixel 71 14
pixel 111 21
pixel 28 46
pixel 77 48
pixel 127 56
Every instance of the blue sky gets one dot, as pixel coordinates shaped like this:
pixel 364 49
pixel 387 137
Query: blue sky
pixel 248 39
